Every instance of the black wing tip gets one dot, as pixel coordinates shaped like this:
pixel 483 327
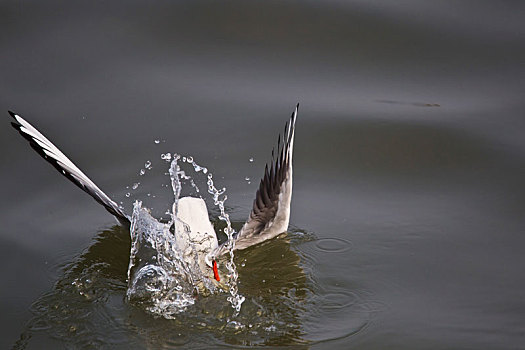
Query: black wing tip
pixel 12 114
pixel 16 125
pixel 294 116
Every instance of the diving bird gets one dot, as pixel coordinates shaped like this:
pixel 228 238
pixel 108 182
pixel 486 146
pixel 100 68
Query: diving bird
pixel 269 217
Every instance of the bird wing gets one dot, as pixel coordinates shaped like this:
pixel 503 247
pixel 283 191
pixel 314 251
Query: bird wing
pixel 270 214
pixel 53 155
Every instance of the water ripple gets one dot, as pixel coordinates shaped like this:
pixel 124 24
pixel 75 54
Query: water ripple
pixel 339 300
pixel 333 245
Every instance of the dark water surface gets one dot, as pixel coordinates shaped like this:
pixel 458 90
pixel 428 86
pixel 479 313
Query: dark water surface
pixel 407 228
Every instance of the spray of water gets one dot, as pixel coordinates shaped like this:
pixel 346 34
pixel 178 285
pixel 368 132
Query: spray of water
pixel 235 298
pixel 219 198
pixel 159 278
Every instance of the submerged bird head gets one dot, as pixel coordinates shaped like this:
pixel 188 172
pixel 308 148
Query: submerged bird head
pixel 195 235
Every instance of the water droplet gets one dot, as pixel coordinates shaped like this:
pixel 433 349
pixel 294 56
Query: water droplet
pixel 135 185
pixel 247 178
pixel 142 172
pixel 166 156
pixel 251 160
pixel 147 165
pixel 157 141
pixel 128 194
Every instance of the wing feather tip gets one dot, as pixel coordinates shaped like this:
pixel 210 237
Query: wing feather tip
pixel 16 123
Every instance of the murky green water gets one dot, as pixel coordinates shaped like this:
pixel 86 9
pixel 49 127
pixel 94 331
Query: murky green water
pixel 407 213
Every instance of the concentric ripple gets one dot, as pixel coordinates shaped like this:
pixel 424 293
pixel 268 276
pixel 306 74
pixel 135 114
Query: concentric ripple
pixel 333 245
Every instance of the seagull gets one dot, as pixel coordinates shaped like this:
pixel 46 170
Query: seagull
pixel 269 217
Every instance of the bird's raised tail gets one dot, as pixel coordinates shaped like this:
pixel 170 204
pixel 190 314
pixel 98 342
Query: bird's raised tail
pixel 53 155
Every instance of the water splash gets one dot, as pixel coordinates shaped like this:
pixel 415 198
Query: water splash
pixel 162 276
pixel 158 277
pixel 235 298
pixel 166 157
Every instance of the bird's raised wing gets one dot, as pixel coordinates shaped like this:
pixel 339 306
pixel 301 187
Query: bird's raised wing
pixel 270 214
pixel 53 155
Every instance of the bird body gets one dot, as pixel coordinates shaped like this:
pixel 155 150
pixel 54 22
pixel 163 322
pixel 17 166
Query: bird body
pixel 194 234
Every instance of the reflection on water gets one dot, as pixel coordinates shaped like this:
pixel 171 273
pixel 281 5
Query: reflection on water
pixel 284 303
pixel 81 302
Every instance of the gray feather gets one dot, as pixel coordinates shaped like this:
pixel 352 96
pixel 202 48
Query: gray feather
pixel 270 213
